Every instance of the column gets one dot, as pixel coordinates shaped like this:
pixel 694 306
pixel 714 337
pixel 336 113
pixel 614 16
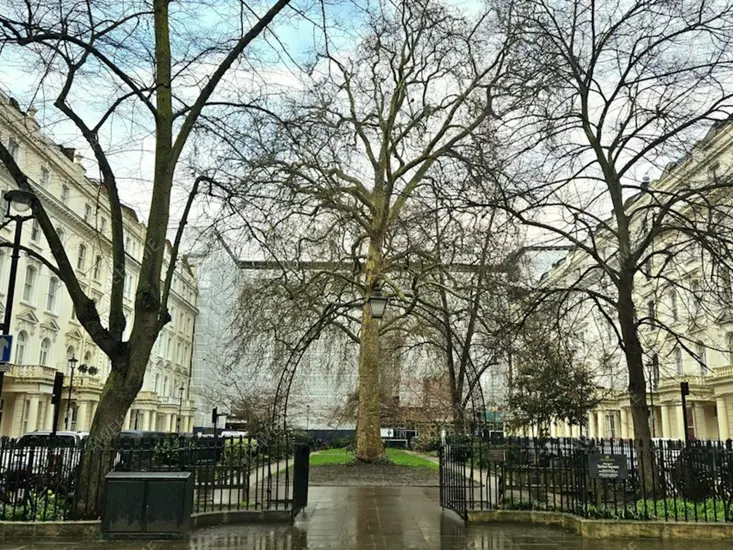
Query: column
pixel 700 422
pixel 154 421
pixel 126 423
pixel 624 421
pixel 81 416
pixel 146 420
pixel 16 424
pixel 680 422
pixel 33 413
pixel 169 424
pixel 591 425
pixel 600 418
pixel 666 423
pixel 722 407
pixel 49 414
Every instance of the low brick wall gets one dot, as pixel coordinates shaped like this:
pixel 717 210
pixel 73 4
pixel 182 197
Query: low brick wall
pixel 50 529
pixel 603 529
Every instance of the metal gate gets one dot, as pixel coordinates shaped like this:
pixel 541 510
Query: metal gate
pixel 453 481
pixel 300 478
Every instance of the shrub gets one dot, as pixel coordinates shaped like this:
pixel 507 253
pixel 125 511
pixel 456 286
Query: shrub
pixel 425 443
pixel 507 504
pixel 695 473
pixel 341 442
pixel 238 451
pixel 713 510
pixel 43 506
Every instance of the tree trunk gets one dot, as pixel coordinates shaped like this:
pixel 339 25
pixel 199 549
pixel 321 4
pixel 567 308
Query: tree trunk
pixel 368 436
pixel 637 387
pixel 120 390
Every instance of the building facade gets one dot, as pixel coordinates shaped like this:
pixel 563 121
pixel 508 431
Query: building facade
pixel 44 326
pixel 684 301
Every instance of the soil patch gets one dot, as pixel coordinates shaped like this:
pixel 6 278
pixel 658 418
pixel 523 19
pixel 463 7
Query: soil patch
pixel 375 475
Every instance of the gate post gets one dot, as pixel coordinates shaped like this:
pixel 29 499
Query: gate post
pixel 300 477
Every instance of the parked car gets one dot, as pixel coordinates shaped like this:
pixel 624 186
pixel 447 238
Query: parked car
pixel 42 461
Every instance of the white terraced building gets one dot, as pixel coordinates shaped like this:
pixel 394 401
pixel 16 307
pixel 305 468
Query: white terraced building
pixel 43 324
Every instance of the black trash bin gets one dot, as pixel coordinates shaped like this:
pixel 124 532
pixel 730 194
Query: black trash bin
pixel 148 505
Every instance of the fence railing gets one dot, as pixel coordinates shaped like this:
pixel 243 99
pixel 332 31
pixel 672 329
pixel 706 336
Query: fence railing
pixel 39 479
pixel 613 479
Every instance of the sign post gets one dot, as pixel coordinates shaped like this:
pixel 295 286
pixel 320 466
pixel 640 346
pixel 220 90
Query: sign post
pixel 6 346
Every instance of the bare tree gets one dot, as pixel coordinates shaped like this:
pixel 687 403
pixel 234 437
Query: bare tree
pixel 626 88
pixel 421 88
pixel 143 61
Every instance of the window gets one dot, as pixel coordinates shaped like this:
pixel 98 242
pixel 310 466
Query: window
pixel 97 267
pixel 13 148
pixel 155 382
pixel 729 342
pixel 2 273
pixel 726 283
pixel 678 362
pixel 35 230
pixel 179 347
pixel 81 260
pixel 30 283
pixel 45 177
pixel 610 425
pixel 20 344
pixel 102 225
pixel 690 424
pixel 51 299
pixel 26 414
pixel 87 212
pixel 61 234
pixel 651 312
pixel 128 285
pixel 70 352
pixel 696 297
pixel 87 358
pixel 43 358
pixel 165 386
pixel 654 374
pixel 673 305
pixel 65 194
pixel 702 357
pixel 169 348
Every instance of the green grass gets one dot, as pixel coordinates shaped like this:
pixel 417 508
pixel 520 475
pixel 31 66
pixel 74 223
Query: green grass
pixel 396 456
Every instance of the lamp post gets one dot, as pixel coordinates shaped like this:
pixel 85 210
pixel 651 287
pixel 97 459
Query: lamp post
pixel 72 365
pixel 21 202
pixel 307 416
pixel 377 302
pixel 180 410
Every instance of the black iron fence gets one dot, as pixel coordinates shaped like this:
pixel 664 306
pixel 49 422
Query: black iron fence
pixel 609 479
pixel 39 478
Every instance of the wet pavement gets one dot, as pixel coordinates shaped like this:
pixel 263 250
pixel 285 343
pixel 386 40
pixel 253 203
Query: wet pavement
pixel 374 518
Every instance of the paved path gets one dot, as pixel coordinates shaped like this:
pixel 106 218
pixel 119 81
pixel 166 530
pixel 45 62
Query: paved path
pixel 374 518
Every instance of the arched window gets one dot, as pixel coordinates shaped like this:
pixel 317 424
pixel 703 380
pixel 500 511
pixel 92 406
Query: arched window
pixel 44 357
pixel 35 230
pixel 3 289
pixel 70 352
pixel 702 356
pixel 64 194
pixel 52 298
pixel 88 357
pixel 30 283
pixel 20 343
pixel 97 267
pixel 81 260
pixel 679 365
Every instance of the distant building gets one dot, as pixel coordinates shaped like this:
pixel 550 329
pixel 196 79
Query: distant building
pixel 44 325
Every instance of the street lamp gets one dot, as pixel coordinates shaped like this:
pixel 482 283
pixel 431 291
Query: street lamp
pixel 20 201
pixel 377 302
pixel 72 365
pixel 180 410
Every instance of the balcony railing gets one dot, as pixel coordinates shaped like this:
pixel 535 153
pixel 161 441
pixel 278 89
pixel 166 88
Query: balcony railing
pixel 33 371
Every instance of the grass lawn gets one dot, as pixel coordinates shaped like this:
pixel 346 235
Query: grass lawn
pixel 396 456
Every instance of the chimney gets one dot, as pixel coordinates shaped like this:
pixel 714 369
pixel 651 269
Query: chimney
pixel 32 112
pixel 68 152
pixel 645 183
